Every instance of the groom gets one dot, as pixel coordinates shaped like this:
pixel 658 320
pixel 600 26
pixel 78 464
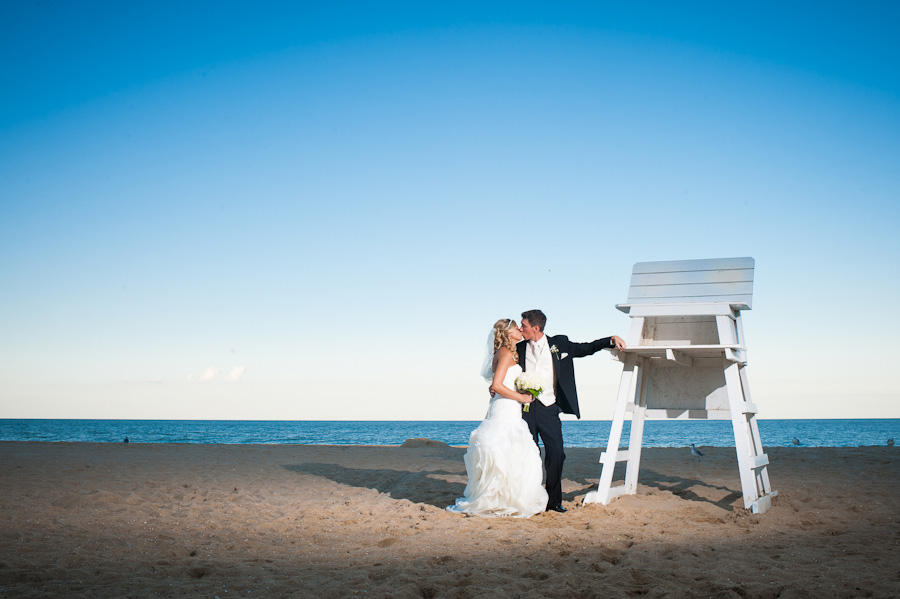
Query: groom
pixel 552 358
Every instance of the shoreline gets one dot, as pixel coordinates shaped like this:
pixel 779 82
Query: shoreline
pixel 167 519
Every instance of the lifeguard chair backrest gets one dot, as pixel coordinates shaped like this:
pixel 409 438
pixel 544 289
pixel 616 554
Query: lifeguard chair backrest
pixel 720 280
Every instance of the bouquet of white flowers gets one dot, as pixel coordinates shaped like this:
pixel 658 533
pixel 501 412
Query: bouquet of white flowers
pixel 530 382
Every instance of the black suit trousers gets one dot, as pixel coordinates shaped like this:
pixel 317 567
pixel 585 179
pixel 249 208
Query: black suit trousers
pixel 544 421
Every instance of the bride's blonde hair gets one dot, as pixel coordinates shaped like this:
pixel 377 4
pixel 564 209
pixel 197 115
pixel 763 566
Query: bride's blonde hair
pixel 501 336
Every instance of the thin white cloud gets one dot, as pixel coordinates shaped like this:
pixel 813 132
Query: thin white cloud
pixel 209 374
pixel 235 374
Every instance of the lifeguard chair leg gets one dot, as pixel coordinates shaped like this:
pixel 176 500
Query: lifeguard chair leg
pixel 743 444
pixel 608 458
pixel 636 439
pixel 762 473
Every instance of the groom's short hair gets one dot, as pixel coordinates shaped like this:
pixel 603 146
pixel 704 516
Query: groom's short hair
pixel 535 318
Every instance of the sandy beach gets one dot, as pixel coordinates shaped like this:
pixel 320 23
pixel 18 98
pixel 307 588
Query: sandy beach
pixel 115 520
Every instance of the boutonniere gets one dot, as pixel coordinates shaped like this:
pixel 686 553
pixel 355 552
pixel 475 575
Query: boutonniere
pixel 555 351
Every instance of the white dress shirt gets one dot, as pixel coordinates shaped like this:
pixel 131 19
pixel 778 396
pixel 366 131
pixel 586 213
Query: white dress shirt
pixel 539 359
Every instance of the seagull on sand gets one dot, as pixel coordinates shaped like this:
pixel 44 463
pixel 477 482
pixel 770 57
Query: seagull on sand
pixel 696 453
pixel 891 442
pixel 795 441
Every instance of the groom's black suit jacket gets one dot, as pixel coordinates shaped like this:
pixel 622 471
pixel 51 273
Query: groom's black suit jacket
pixel 563 369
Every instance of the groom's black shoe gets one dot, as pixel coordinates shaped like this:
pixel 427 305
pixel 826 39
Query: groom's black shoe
pixel 557 508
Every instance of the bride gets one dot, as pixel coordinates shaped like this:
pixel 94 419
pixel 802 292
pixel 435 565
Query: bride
pixel 503 462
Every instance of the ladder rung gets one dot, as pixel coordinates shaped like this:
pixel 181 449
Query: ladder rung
pixel 619 456
pixel 759 461
pixel 748 408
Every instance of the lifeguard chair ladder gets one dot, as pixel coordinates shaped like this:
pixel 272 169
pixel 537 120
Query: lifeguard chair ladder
pixel 686 359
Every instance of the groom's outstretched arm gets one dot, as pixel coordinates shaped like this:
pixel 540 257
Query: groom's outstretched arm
pixel 580 350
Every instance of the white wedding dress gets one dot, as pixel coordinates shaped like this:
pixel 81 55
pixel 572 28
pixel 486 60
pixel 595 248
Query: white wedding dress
pixel 503 463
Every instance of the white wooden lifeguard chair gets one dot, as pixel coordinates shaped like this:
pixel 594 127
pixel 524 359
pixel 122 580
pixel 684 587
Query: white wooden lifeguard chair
pixel 686 359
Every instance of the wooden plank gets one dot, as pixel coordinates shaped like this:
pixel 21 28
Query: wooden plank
pixel 686 414
pixel 759 461
pixel 684 265
pixel 692 351
pixel 685 348
pixel 708 354
pixel 741 275
pixel 692 309
pixel 648 308
pixel 692 291
pixel 607 457
pixel 738 302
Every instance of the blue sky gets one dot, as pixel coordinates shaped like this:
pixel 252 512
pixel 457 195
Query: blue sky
pixel 290 211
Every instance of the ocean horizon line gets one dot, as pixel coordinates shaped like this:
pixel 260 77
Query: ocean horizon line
pixel 577 433
pixel 759 418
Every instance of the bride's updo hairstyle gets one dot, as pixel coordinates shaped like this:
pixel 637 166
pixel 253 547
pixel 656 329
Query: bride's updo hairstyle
pixel 501 336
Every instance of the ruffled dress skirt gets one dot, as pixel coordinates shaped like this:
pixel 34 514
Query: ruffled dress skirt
pixel 504 466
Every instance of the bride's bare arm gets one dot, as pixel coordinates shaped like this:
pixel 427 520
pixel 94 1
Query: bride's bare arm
pixel 504 361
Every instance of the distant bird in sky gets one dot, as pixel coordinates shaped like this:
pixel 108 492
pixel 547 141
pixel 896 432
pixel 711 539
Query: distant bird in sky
pixel 696 453
pixel 795 441
pixel 891 442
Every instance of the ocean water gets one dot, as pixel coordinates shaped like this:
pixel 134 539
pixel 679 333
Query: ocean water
pixel 581 433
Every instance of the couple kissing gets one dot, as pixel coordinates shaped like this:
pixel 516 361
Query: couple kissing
pixel 532 382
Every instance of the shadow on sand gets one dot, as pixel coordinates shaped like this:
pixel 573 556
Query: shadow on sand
pixel 676 485
pixel 681 487
pixel 440 488
pixel 434 487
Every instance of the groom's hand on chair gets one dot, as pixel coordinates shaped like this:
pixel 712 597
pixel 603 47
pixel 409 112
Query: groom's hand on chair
pixel 617 343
